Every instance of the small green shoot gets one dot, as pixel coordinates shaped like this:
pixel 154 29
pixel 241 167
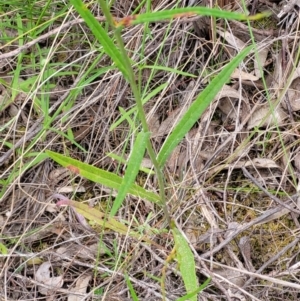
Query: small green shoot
pixel 131 289
pixel 198 107
pixel 132 169
pixel 186 262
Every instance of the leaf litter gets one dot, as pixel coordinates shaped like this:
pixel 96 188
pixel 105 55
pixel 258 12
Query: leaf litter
pixel 224 214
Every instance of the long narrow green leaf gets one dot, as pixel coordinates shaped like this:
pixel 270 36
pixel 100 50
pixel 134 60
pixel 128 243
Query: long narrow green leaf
pixel 101 35
pixel 198 107
pixel 131 288
pixel 132 169
pixel 186 262
pixel 186 12
pixel 101 176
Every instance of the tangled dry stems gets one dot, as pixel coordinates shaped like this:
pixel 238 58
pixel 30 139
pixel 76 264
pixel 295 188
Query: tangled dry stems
pixel 236 231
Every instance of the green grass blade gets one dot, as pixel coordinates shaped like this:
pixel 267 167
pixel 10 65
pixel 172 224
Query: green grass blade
pixel 186 262
pixel 186 12
pixel 131 288
pixel 198 107
pixel 3 249
pixel 198 290
pixel 123 161
pixel 108 45
pixel 132 169
pixel 101 176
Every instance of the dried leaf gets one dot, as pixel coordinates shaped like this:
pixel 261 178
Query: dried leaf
pixel 243 75
pixel 227 106
pixel 260 61
pixel 256 162
pixel 228 91
pixel 83 252
pixel 263 117
pixel 245 248
pixel 81 287
pixel 178 159
pixel 69 189
pixel 232 40
pixel 262 163
pixel 293 95
pixel 43 276
pixel 232 276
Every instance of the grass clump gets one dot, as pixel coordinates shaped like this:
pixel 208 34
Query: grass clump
pixel 132 106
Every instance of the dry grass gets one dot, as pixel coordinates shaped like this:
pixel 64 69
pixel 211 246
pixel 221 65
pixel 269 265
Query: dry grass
pixel 245 239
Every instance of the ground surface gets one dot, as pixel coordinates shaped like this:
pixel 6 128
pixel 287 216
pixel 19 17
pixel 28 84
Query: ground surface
pixel 231 184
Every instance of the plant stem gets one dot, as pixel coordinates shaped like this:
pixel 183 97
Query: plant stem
pixel 141 113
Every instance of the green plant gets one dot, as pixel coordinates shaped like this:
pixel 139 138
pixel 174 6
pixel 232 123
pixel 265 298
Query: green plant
pixel 114 47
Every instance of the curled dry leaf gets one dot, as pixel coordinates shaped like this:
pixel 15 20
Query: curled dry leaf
pixel 43 276
pixel 245 248
pixel 279 78
pixel 256 162
pixel 293 94
pixel 232 276
pixel 81 287
pixel 277 81
pixel 243 75
pixel 232 40
pixel 226 104
pixel 262 163
pixel 263 117
pixel 228 91
pixel 83 252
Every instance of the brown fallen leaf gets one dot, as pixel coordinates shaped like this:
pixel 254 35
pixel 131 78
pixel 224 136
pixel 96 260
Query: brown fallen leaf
pixel 263 117
pixel 42 275
pixel 293 94
pixel 80 287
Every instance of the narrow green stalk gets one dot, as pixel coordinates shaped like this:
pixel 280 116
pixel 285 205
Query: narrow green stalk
pixel 141 113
